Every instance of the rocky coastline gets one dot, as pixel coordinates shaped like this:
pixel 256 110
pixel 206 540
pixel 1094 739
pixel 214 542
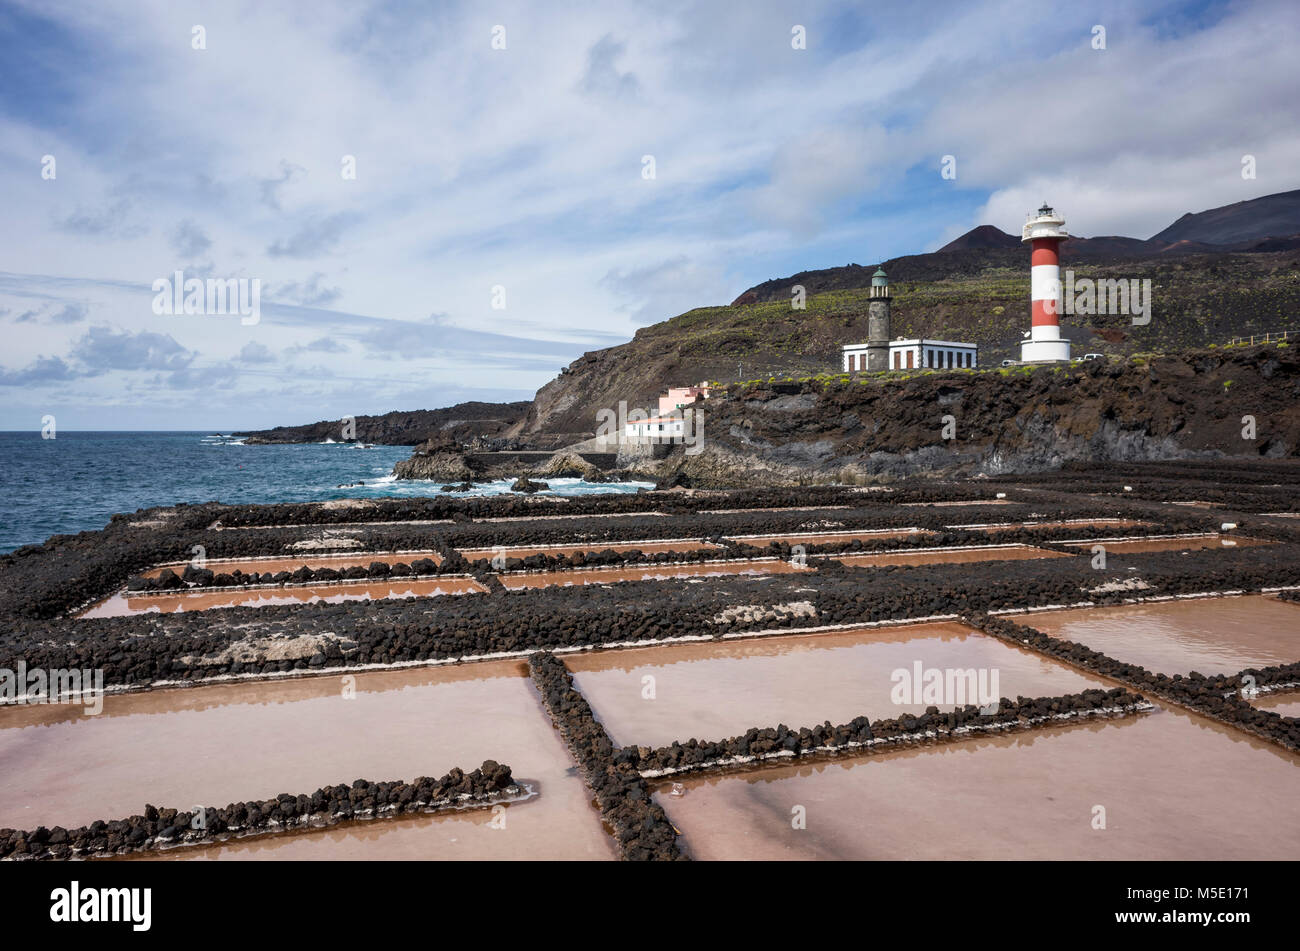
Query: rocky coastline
pixel 879 428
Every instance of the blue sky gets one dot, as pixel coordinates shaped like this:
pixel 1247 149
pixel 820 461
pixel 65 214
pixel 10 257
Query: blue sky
pixel 521 168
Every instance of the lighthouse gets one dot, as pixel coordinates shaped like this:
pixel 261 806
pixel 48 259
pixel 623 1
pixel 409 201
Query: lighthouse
pixel 1044 232
pixel 878 334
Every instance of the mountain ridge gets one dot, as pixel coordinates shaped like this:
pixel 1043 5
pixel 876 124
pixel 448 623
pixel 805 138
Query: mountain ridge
pixel 1240 226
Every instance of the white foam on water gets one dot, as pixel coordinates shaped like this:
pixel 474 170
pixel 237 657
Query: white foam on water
pixel 567 487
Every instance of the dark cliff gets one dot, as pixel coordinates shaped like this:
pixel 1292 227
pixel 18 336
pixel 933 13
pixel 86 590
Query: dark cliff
pixel 461 423
pixel 838 428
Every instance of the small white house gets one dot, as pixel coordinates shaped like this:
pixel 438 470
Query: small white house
pixel 932 354
pixel 656 428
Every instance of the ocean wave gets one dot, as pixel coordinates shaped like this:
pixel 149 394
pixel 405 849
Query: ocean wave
pixel 391 485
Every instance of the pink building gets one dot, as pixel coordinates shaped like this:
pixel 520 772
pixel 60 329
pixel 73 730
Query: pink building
pixel 679 397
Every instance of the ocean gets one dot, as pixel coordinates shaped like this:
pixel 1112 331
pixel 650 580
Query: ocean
pixel 78 480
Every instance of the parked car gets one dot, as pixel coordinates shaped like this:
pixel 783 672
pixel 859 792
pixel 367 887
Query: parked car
pixel 1094 356
pixel 1008 363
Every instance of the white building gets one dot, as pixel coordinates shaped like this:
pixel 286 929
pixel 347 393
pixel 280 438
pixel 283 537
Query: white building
pixel 918 353
pixel 659 427
pixel 855 357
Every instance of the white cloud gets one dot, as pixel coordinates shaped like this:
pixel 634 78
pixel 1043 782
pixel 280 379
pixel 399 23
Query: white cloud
pixel 522 167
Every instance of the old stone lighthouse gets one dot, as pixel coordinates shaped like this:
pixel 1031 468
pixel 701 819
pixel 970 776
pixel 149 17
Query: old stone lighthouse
pixel 880 353
pixel 878 322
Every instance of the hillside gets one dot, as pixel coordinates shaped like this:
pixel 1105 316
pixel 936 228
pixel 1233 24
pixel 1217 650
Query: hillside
pixel 461 423
pixel 976 294
pixel 1271 216
pixel 1230 271
pixel 854 429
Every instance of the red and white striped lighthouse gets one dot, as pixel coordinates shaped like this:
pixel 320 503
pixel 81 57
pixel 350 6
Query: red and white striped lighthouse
pixel 1044 232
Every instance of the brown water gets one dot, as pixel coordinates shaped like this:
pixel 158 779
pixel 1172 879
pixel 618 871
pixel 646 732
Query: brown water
pixel 714 690
pixel 1284 704
pixel 1071 523
pixel 940 556
pixel 650 548
pixel 828 538
pixel 1209 635
pixel 294 562
pixel 545 579
pixel 1173 786
pixel 218 744
pixel 1133 546
pixel 122 604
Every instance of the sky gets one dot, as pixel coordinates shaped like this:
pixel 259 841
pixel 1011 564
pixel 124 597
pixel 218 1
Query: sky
pixel 451 201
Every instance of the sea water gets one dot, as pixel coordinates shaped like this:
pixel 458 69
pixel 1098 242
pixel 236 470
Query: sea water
pixel 78 480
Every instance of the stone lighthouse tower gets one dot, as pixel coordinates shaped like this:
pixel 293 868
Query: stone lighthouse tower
pixel 878 333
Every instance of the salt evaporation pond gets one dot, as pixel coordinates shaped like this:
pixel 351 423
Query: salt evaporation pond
pixel 1207 635
pixel 213 745
pixel 714 690
pixel 1172 786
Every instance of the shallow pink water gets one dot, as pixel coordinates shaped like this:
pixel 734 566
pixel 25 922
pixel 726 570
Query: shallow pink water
pixel 217 744
pixel 1172 786
pixel 713 690
pixel 294 562
pixel 123 604
pixel 1208 635
pixel 950 556
pixel 1196 543
pixel 1283 704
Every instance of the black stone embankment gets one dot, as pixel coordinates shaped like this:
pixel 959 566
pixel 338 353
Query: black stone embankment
pixel 600 558
pixel 595 533
pixel 142 649
pixel 863 735
pixel 159 829
pixel 68 572
pixel 191 577
pixel 501 506
pixel 639 824
pixel 1218 697
pixel 934 533
pixel 1263 485
pixel 865 517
